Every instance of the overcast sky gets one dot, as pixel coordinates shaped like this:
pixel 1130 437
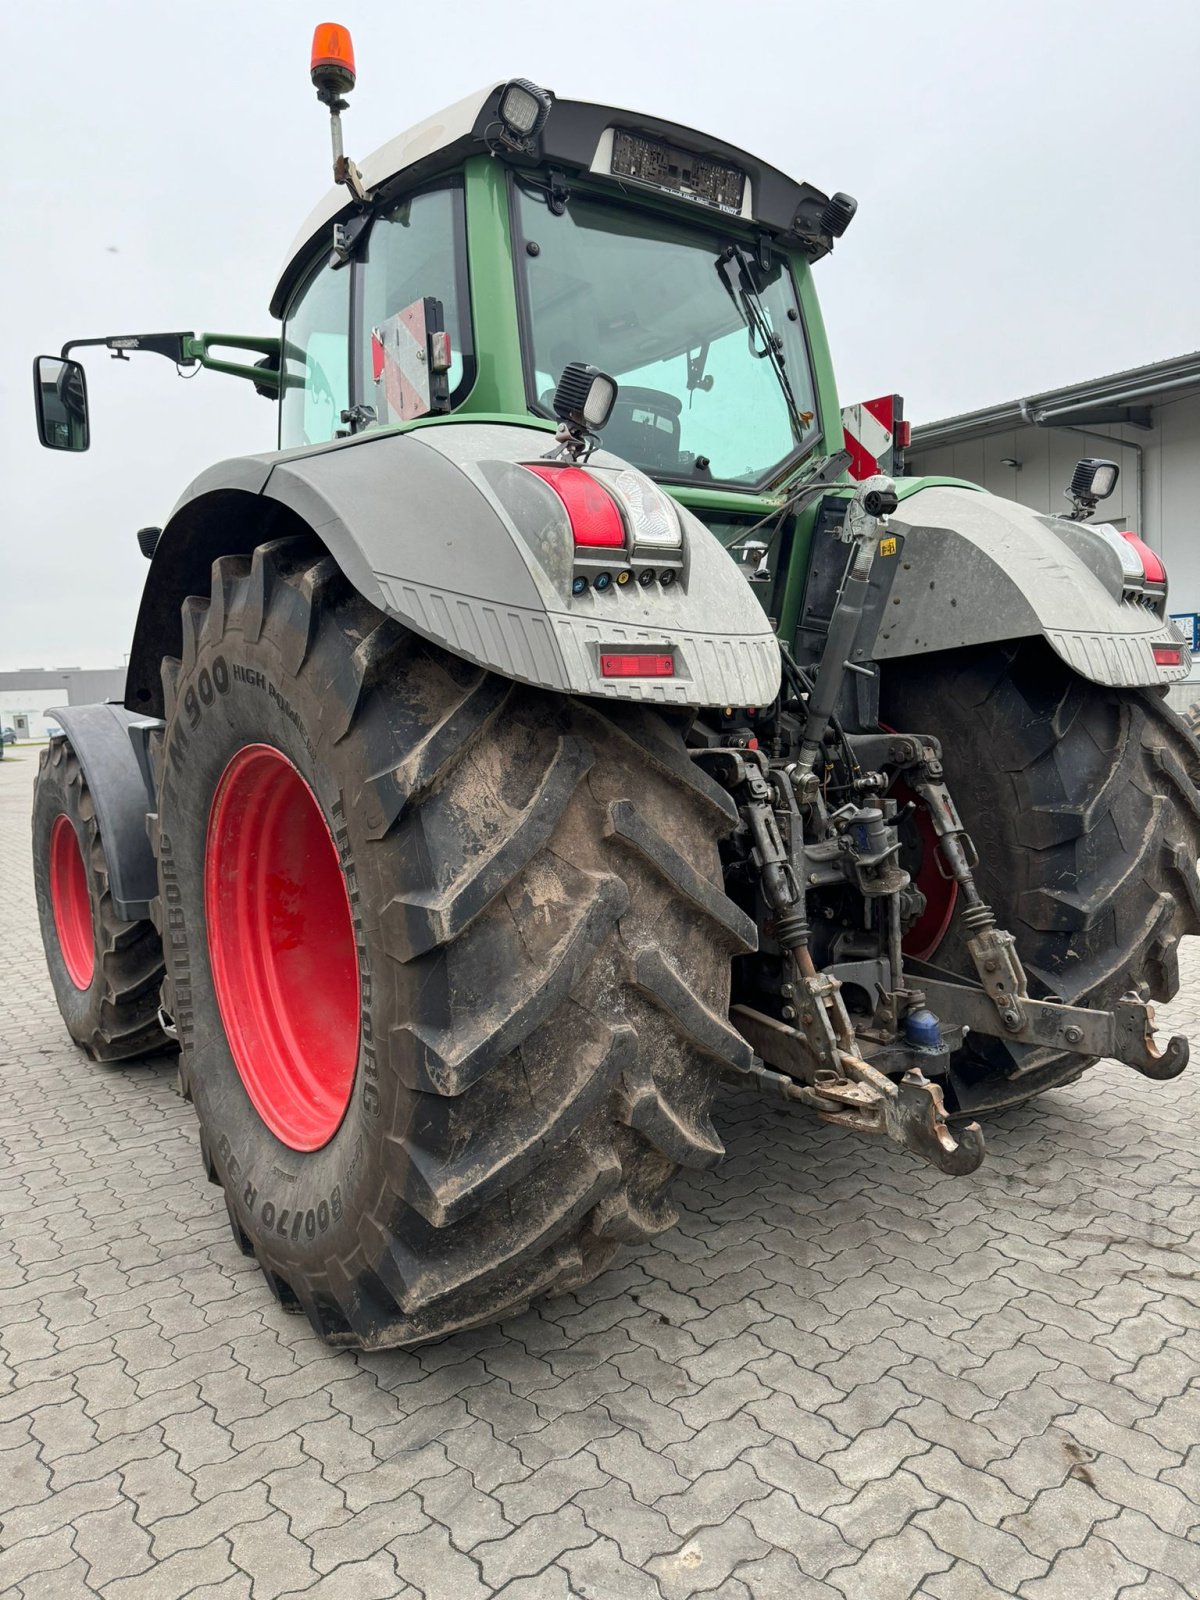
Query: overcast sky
pixel 1026 173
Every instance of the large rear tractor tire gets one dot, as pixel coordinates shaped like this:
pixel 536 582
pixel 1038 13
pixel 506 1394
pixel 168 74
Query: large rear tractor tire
pixel 1083 805
pixel 107 973
pixel 450 957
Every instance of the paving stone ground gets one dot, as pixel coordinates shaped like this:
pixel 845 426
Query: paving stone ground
pixel 841 1376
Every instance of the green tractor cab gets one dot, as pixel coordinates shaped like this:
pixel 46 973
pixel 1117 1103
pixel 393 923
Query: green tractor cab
pixel 576 711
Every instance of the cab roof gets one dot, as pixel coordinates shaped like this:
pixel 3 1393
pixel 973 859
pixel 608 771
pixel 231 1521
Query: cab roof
pixel 577 137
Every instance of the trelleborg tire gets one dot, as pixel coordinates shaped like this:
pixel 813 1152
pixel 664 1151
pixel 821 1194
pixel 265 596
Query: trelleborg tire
pixel 1082 802
pixel 537 941
pixel 107 973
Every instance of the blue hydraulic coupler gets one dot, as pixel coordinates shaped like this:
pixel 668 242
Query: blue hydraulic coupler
pixel 923 1031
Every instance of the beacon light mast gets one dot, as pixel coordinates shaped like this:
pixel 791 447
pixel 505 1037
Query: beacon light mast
pixel 332 71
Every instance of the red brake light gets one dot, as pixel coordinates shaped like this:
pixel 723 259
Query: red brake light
pixel 1152 567
pixel 637 666
pixel 595 520
pixel 1166 655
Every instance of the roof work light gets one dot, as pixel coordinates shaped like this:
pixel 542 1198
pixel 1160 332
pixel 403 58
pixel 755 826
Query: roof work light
pixel 1094 479
pixel 585 396
pixel 523 111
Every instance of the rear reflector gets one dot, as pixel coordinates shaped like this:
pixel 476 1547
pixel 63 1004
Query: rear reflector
pixel 1166 655
pixel 1152 567
pixel 595 520
pixel 637 666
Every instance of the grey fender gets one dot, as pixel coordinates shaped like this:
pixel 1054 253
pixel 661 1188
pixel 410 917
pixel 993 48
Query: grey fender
pixel 441 528
pixel 972 568
pixel 111 745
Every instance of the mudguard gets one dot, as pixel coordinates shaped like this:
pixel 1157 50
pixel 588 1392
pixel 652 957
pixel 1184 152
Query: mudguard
pixel 111 745
pixel 443 529
pixel 971 568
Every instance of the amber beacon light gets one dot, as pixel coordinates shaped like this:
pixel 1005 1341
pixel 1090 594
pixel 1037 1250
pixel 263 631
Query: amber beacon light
pixel 332 64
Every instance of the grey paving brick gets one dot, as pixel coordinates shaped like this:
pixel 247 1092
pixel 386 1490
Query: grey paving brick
pixel 358 1537
pixel 894 1568
pixel 550 1487
pixel 197 1528
pixel 271 1555
pixel 989 1497
pixel 598 1571
pixel 882 1506
pixel 638 1530
pixel 178 1575
pixel 470 1515
pixel 712 1498
pixel 1096 1568
pixel 777 1576
pixel 112 1544
pixel 532 1546
pixel 307 1499
pixel 1142 1541
pixel 375 1578
pixel 647 1473
pixel 707 1559
pixel 1002 1555
pixel 842 1375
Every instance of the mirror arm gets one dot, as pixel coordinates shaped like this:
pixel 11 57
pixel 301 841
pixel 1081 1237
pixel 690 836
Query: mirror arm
pixel 188 349
pixel 171 345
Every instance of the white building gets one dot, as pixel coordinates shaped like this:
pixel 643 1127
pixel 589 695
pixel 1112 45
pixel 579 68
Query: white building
pixel 27 696
pixel 1147 420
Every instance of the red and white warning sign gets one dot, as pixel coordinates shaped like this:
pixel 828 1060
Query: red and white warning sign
pixel 400 364
pixel 876 435
pixel 409 360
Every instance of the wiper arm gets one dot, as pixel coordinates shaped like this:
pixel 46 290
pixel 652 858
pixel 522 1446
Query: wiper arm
pixel 744 293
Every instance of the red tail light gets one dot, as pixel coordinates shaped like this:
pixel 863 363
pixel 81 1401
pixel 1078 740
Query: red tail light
pixel 595 520
pixel 637 666
pixel 1166 655
pixel 1152 567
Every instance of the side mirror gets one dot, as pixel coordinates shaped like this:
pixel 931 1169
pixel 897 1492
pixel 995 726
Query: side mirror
pixel 60 400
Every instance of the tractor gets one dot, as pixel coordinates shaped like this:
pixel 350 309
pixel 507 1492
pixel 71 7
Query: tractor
pixel 553 730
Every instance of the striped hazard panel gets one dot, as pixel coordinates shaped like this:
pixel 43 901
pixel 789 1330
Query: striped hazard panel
pixel 876 434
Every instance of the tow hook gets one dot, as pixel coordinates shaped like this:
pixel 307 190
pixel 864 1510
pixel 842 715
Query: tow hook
pixel 858 1097
pixel 1134 1021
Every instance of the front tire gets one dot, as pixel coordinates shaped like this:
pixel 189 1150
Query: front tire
pixel 1083 805
pixel 107 973
pixel 539 941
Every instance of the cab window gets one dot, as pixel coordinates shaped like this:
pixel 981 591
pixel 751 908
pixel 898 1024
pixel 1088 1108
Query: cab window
pixel 416 250
pixel 316 366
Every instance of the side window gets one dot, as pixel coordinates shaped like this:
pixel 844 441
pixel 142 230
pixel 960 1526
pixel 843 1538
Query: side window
pixel 316 347
pixel 416 248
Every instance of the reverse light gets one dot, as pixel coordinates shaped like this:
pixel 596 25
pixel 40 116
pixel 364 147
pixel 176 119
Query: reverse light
pixel 638 666
pixel 653 520
pixel 332 63
pixel 593 514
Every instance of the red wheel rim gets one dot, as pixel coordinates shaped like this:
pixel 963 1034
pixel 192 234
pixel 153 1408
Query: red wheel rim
pixel 281 947
pixel 72 903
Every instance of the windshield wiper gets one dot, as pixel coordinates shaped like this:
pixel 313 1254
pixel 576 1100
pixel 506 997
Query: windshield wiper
pixel 737 274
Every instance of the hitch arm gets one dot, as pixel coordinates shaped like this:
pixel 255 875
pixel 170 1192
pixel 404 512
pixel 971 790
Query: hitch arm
pixel 857 1097
pixel 1126 1033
